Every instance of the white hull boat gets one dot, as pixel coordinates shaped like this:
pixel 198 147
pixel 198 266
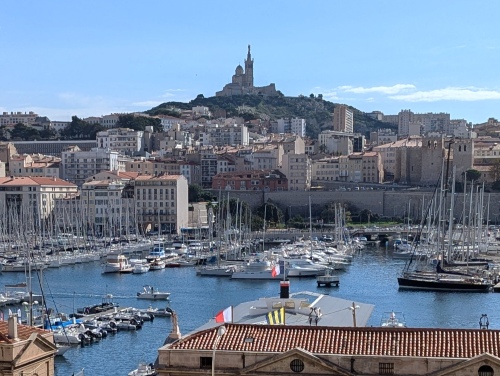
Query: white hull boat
pixel 150 293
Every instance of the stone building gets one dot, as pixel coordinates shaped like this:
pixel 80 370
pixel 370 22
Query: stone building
pixel 25 350
pixel 242 82
pixel 243 349
pixel 255 180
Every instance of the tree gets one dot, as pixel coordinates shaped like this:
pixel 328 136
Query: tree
pixel 23 132
pixel 472 175
pixel 495 170
pixel 79 129
pixel 198 194
pixel 138 123
pixel 311 96
pixel 320 97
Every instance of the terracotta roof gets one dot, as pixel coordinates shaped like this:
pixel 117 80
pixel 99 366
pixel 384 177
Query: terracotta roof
pixel 416 342
pixel 27 181
pixel 23 332
pixel 159 177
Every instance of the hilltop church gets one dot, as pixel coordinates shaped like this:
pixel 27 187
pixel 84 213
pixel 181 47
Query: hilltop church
pixel 242 82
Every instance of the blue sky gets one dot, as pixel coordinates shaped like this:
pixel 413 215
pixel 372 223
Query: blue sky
pixel 84 58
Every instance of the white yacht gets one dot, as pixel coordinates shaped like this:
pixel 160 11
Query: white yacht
pixel 256 269
pixel 116 263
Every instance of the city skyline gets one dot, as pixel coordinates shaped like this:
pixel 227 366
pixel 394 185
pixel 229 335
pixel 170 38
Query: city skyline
pixel 62 59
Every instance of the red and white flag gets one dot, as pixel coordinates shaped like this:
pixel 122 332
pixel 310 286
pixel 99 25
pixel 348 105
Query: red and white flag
pixel 225 315
pixel 276 270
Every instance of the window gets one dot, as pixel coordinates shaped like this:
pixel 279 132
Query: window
pixel 386 368
pixel 206 362
pixel 485 371
pixel 297 365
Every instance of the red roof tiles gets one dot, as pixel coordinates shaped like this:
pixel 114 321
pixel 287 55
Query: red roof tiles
pixel 23 332
pixel 447 343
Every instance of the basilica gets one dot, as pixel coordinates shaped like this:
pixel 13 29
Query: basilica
pixel 242 82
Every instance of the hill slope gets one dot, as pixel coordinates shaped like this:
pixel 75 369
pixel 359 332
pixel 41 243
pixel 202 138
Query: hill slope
pixel 317 112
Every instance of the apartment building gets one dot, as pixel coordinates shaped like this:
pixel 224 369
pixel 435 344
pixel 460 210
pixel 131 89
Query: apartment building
pixel 266 157
pixel 78 165
pixel 217 135
pixel 34 165
pixel 106 209
pixel 292 126
pixel 169 122
pixel 325 169
pixel 13 118
pixel 153 166
pixel 254 180
pixel 334 142
pixel 33 194
pixel 297 169
pixel 161 202
pixel 126 141
pixel 390 152
pixel 343 119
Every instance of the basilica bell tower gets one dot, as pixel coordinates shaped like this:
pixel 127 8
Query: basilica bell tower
pixel 249 69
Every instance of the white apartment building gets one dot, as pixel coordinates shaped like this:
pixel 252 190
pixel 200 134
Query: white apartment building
pixel 14 118
pixel 107 121
pixel 267 157
pixel 200 111
pixel 429 122
pixel 216 135
pixel 35 194
pixel 59 126
pixel 77 165
pixel 106 209
pixel 161 202
pixel 297 168
pixel 168 122
pixel 123 140
pixel 34 165
pixel 343 119
pixel 334 142
pixel 294 125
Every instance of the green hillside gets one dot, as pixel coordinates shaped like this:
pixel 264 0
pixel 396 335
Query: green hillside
pixel 317 111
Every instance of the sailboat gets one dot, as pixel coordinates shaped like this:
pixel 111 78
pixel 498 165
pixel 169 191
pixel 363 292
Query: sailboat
pixel 440 279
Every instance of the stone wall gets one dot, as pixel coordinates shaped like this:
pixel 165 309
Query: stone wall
pixel 385 203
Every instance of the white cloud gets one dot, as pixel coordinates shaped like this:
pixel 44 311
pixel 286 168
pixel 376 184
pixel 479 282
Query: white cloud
pixel 377 89
pixel 449 94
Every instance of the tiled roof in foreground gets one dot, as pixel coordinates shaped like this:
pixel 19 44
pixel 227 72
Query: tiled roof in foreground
pixel 23 332
pixel 416 342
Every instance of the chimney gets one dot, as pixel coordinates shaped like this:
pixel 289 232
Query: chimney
pixel 12 334
pixel 284 289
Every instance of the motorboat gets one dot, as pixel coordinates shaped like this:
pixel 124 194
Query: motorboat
pixel 116 263
pixel 393 321
pixel 61 349
pixel 143 369
pixel 140 268
pixel 256 269
pixel 152 293
pixel 157 264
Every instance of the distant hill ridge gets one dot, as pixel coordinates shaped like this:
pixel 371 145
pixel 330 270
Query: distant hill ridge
pixel 317 111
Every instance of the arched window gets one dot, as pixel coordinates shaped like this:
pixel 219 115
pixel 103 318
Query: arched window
pixel 485 371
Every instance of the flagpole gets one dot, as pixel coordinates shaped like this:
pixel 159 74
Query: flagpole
pixel 232 314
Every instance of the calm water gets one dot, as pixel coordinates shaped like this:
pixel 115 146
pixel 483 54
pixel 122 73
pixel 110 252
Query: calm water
pixel 370 279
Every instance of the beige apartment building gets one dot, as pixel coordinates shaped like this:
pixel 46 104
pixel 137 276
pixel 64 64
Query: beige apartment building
pixel 34 165
pixel 356 168
pixel 37 194
pixel 106 209
pixel 297 169
pixel 343 119
pixel 161 202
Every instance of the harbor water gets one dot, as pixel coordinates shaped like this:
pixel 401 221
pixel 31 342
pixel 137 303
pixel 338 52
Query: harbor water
pixel 372 278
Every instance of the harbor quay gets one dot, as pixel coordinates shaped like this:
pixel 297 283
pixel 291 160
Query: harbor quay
pixel 386 203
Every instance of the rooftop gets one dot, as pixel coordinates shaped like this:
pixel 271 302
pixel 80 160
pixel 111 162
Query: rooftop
pixel 431 343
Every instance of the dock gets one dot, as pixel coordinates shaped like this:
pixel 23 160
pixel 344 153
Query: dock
pixel 496 288
pixel 327 280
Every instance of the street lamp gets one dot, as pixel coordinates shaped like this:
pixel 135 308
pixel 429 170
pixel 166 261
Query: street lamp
pixel 353 309
pixel 220 332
